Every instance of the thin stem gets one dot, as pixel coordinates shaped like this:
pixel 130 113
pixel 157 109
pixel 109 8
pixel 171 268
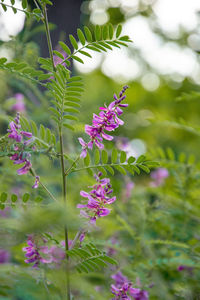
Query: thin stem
pixel 64 188
pixel 46 189
pixel 32 171
pixel 36 4
pixel 68 170
pixel 46 23
pixel 65 202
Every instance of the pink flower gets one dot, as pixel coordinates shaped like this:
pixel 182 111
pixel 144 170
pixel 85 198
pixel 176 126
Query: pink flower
pixel 97 199
pixel 122 289
pixel 106 120
pixel 19 105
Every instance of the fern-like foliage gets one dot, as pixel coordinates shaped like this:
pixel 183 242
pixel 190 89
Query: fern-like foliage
pixel 118 162
pixel 66 92
pixel 103 38
pixel 44 137
pixel 24 8
pixel 22 69
pixel 13 200
pixel 90 258
pixel 168 158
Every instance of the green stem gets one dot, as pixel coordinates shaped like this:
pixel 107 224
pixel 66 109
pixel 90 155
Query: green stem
pixel 46 23
pixel 32 171
pixel 65 202
pixel 64 188
pixel 69 169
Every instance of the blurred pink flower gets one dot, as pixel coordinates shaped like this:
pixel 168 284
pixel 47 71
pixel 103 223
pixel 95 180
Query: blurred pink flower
pixel 19 105
pixel 158 177
pixel 4 256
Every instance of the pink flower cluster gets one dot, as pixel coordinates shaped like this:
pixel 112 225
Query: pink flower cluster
pixel 106 120
pixel 122 289
pixel 97 199
pixel 38 252
pixel 18 135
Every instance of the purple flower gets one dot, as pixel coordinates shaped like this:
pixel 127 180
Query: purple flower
pixel 107 120
pixel 25 169
pixel 158 176
pixel 138 294
pixel 122 289
pixel 4 256
pixel 36 184
pixel 18 135
pixel 97 199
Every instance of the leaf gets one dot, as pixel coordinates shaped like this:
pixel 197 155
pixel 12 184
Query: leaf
pixel 25 197
pixel 102 170
pixel 57 53
pixel 114 156
pixel 90 172
pixel 110 260
pixel 136 169
pixel 34 128
pixel 73 42
pixel 69 117
pixel 105 32
pixel 3 197
pixel 70 109
pixel 85 53
pixel 93 48
pixel 65 47
pixel 88 34
pixel 96 156
pixel 24 4
pixel 38 199
pixel 87 160
pixel 97 32
pixel 131 160
pixel 81 36
pixel 140 159
pixel 13 198
pixel 119 30
pixel 145 169
pixel 48 135
pixel 54 111
pixel 110 170
pixel 111 31
pixel 77 59
pixel 4 7
pixel 120 169
pixel 104 157
pixel 68 126
pixel 123 156
pixel 42 132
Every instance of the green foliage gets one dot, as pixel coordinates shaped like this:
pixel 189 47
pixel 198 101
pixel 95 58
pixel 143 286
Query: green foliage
pixel 90 259
pixel 100 41
pixel 122 166
pixel 66 91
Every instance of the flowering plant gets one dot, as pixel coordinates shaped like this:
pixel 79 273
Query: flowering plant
pixel 58 223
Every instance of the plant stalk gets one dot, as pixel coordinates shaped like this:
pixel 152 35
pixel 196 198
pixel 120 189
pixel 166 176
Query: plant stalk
pixel 64 187
pixel 65 202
